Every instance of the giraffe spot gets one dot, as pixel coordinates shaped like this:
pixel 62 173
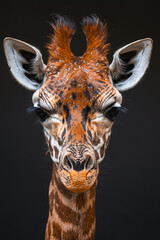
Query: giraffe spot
pixel 64 132
pixel 70 235
pixel 56 152
pixel 80 201
pixel 89 218
pixel 66 109
pixel 73 83
pixel 96 141
pixel 68 119
pixel 93 191
pixel 84 114
pixel 87 94
pixel 70 137
pixel 59 103
pixel 89 133
pixel 74 95
pixel 96 154
pixel 50 87
pixel 67 215
pixel 61 94
pixel 60 141
pixel 102 151
pixel 51 197
pixel 50 148
pixel 63 190
pixel 49 229
pixel 85 139
pixel 57 231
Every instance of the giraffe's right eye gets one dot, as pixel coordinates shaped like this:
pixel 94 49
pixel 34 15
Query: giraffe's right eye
pixel 42 115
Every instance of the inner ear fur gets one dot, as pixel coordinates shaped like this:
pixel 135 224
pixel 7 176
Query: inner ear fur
pixel 130 63
pixel 25 62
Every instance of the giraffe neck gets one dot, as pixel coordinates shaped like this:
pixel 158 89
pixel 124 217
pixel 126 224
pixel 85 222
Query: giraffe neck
pixel 71 215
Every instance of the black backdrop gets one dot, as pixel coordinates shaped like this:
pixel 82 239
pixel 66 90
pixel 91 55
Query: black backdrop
pixel 128 198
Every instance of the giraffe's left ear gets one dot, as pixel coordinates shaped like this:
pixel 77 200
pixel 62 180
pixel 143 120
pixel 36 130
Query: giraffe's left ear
pixel 25 62
pixel 130 63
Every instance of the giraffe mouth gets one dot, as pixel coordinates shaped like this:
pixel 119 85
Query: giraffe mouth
pixel 78 182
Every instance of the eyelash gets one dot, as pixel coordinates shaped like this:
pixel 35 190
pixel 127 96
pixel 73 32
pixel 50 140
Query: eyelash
pixel 42 115
pixel 113 113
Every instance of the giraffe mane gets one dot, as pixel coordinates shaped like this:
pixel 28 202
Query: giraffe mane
pixel 64 29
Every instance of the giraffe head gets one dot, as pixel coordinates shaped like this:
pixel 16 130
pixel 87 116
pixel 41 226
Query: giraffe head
pixel 77 99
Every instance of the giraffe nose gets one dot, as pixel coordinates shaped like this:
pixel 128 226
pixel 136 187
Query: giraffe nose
pixel 70 164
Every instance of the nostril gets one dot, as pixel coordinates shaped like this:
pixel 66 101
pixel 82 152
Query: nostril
pixel 88 163
pixel 68 163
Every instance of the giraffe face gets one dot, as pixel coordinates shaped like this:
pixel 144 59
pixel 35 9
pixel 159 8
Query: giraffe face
pixel 77 98
pixel 77 108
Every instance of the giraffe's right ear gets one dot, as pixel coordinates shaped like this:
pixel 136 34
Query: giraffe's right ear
pixel 25 62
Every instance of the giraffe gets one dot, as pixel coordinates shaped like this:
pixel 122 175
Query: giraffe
pixel 77 100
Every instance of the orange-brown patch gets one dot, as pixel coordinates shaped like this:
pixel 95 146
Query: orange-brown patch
pixel 93 190
pixel 49 229
pixel 78 181
pixel 56 152
pixel 102 151
pixel 88 219
pixel 56 231
pixel 51 198
pixel 63 190
pixel 81 200
pixel 96 154
pixel 67 215
pixel 50 147
pixel 54 129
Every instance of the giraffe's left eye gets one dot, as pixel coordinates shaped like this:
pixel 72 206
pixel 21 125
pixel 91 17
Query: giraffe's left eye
pixel 113 112
pixel 41 114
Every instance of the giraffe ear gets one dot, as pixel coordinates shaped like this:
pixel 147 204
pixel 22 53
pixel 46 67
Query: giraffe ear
pixel 25 62
pixel 130 64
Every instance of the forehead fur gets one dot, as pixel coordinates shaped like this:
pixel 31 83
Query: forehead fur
pixel 90 71
pixel 64 29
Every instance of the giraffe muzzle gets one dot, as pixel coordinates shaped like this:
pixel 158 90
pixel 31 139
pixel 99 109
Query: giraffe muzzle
pixel 78 172
pixel 69 163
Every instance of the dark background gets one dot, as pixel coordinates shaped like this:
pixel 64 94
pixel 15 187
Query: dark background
pixel 128 198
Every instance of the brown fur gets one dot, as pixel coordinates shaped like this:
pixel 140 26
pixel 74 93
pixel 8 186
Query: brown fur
pixel 75 210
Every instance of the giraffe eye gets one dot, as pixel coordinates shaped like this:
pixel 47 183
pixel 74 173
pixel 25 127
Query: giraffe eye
pixel 113 112
pixel 41 114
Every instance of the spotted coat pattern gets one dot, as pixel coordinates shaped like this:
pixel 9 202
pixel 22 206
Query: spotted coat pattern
pixel 75 95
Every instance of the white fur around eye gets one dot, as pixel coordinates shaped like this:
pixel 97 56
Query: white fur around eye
pixel 117 105
pixel 55 119
pixel 99 117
